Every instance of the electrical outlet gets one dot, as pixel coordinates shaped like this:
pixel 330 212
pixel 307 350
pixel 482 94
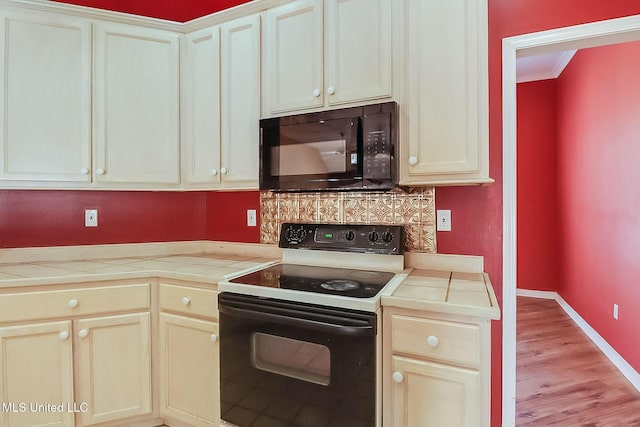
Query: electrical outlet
pixel 443 220
pixel 251 217
pixel 91 218
pixel 615 311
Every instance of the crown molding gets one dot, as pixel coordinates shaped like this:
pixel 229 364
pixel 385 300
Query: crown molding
pixel 216 18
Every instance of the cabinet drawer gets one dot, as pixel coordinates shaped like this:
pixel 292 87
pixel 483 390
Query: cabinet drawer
pixel 188 300
pixel 446 341
pixel 73 302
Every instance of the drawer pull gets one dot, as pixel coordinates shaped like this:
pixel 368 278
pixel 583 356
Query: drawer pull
pixel 413 160
pixel 186 300
pixel 214 338
pixel 73 303
pixel 433 341
pixel 83 333
pixel 397 377
pixel 63 335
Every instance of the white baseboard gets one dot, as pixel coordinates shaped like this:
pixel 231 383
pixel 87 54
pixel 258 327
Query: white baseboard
pixel 623 366
pixel 536 294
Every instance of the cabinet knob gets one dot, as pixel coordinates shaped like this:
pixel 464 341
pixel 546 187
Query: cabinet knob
pixel 63 335
pixel 84 171
pixel 413 160
pixel 331 90
pixel 186 300
pixel 316 92
pixel 83 333
pixel 433 341
pixel 73 303
pixel 397 377
pixel 214 338
pixel 214 172
pixel 223 171
pixel 100 171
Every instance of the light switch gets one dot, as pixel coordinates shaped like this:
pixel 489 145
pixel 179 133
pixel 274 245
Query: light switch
pixel 443 220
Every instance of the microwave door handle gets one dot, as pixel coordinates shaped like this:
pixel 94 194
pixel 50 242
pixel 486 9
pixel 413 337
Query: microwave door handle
pixel 360 146
pixel 314 325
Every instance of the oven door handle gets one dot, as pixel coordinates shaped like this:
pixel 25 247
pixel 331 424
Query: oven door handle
pixel 315 325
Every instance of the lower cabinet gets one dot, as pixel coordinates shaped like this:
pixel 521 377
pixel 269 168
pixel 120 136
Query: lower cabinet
pixel 92 366
pixel 189 353
pixel 433 394
pixel 114 367
pixel 36 363
pixel 436 370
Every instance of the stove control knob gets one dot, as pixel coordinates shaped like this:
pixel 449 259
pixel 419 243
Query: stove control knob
pixel 387 237
pixel 373 237
pixel 349 235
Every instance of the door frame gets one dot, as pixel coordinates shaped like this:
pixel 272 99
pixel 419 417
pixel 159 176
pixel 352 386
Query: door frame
pixel 612 31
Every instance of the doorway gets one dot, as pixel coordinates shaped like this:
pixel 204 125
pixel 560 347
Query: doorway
pixel 575 37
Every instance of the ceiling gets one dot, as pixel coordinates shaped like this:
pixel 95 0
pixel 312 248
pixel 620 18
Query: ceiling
pixel 542 67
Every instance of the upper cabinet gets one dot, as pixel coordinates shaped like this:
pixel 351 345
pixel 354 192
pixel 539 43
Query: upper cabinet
pixel 200 110
pixel 323 53
pixel 221 105
pixel 45 98
pixel 136 106
pixel 240 102
pixel 444 137
pixel 102 100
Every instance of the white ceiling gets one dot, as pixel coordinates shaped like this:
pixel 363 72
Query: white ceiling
pixel 542 67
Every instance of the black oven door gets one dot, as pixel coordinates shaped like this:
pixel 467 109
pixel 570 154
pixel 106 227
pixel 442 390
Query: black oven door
pixel 291 364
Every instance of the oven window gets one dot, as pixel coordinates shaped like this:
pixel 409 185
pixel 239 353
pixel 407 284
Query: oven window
pixel 302 360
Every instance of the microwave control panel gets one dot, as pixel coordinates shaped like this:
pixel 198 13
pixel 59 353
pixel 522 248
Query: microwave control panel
pixel 378 148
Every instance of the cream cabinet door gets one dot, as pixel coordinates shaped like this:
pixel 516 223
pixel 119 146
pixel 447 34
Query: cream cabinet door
pixel 45 93
pixel 189 370
pixel 201 108
pixel 136 105
pixel 358 50
pixel 36 364
pixel 445 135
pixel 240 108
pixel 429 394
pixel 114 366
pixel 293 57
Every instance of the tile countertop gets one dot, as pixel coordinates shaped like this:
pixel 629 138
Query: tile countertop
pixel 203 267
pixel 450 292
pixel 437 283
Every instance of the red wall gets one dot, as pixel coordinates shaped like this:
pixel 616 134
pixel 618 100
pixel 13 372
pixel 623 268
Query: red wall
pixel 56 218
pixel 599 134
pixel 538 249
pixel 477 211
pixel 227 216
pixel 180 11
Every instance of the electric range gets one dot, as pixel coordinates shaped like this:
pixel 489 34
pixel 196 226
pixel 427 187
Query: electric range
pixel 299 342
pixel 338 265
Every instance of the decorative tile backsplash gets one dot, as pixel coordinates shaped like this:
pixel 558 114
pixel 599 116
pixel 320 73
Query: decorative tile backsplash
pixel 414 209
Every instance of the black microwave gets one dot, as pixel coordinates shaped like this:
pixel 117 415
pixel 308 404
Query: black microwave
pixel 345 149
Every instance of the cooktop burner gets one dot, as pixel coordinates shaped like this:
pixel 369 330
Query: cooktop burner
pixel 326 280
pixel 340 285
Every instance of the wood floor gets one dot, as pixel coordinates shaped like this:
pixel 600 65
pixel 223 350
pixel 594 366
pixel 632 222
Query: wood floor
pixel 562 378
